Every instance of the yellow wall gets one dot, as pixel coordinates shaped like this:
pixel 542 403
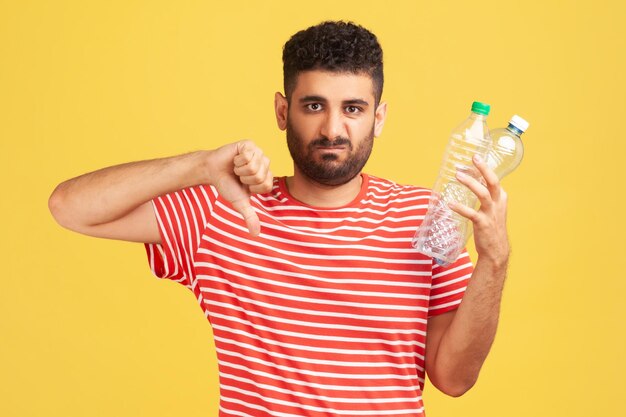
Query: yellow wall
pixel 85 329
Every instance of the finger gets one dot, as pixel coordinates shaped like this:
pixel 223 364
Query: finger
pixel 265 187
pixel 258 176
pixel 244 159
pixel 247 169
pixel 246 152
pixel 256 167
pixel 491 179
pixel 476 187
pixel 470 170
pixel 465 211
pixel 244 208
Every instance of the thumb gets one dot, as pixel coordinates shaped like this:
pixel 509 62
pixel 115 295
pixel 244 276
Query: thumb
pixel 244 208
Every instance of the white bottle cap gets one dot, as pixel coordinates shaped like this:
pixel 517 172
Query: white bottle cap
pixel 519 123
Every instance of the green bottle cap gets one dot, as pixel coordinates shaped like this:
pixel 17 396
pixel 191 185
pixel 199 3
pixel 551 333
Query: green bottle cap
pixel 481 108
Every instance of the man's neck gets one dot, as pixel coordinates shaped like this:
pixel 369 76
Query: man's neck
pixel 315 194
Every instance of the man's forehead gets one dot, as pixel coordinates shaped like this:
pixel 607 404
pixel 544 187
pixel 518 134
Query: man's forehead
pixel 334 85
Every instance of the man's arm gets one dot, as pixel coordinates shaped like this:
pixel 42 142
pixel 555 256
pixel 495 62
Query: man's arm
pixel 114 202
pixel 458 342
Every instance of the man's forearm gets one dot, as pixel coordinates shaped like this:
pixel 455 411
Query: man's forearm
pixel 108 194
pixel 467 340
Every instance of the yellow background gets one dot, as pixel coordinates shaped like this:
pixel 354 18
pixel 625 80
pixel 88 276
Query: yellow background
pixel 87 331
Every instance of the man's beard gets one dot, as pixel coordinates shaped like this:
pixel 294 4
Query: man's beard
pixel 328 171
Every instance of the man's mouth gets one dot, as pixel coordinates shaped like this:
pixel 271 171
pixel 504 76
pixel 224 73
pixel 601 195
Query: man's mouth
pixel 336 145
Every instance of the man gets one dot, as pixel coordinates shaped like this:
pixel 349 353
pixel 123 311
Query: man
pixel 318 303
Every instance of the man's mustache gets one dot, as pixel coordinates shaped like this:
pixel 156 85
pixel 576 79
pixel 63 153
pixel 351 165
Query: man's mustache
pixel 327 143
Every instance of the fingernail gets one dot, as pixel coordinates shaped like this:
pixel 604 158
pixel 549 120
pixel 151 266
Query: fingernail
pixel 477 158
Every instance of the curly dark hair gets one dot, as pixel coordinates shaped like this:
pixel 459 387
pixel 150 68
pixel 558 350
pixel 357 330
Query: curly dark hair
pixel 336 46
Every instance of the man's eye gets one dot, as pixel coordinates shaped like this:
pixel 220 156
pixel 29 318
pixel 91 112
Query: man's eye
pixel 353 109
pixel 314 106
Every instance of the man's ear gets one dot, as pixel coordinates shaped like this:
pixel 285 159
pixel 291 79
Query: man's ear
pixel 379 118
pixel 281 107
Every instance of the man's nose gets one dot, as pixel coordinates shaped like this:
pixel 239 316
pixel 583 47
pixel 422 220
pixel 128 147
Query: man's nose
pixel 333 126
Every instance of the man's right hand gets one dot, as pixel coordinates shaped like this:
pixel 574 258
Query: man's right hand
pixel 115 202
pixel 237 171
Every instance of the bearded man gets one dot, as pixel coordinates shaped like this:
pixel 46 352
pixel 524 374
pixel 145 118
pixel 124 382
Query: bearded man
pixel 318 304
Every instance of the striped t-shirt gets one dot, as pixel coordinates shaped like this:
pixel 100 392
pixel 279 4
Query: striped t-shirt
pixel 324 313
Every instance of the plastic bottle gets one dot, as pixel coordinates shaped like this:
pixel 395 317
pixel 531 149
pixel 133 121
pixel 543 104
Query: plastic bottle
pixel 507 148
pixel 443 233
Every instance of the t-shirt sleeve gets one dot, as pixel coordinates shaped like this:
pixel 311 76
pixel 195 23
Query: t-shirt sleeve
pixel 449 284
pixel 181 217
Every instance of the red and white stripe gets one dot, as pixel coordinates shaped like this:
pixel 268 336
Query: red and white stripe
pixel 325 312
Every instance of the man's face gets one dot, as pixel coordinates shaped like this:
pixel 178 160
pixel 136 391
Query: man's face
pixel 330 125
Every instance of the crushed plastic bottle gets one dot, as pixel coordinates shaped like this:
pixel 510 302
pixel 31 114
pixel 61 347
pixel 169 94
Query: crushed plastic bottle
pixel 444 233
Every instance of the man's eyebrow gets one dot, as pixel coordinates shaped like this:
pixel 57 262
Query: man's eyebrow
pixel 320 99
pixel 356 101
pixel 308 99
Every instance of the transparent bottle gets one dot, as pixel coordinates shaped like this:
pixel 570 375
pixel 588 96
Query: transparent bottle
pixel 507 148
pixel 443 233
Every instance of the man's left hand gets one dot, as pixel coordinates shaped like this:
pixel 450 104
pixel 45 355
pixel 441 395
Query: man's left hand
pixel 490 235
